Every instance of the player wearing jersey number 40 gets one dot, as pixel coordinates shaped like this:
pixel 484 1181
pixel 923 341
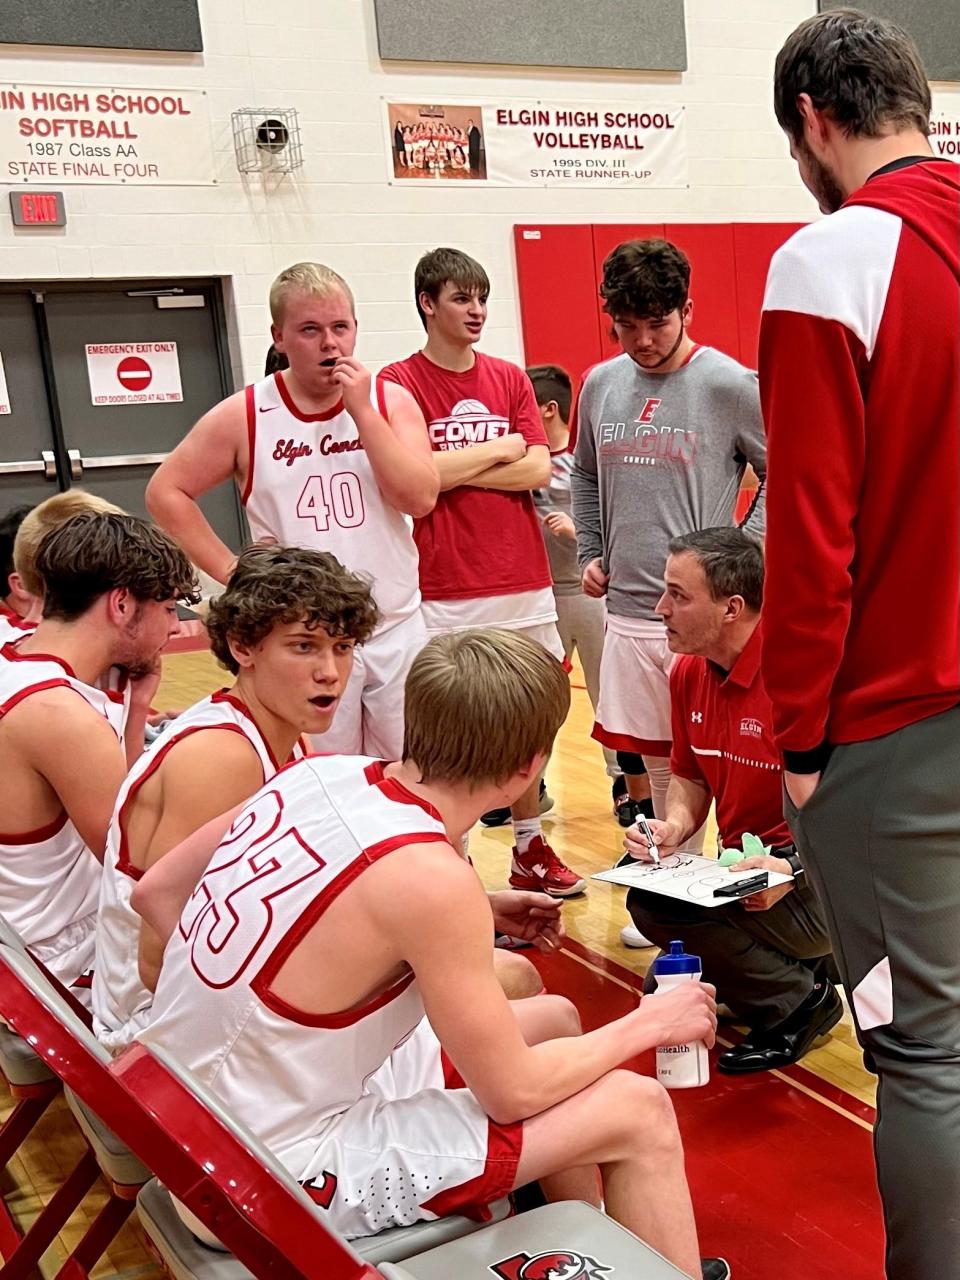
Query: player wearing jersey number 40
pixel 327 458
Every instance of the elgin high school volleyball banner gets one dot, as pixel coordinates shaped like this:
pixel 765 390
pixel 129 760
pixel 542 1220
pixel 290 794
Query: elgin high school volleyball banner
pixel 100 134
pixel 537 144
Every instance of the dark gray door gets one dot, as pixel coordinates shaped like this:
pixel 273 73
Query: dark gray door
pixel 28 472
pixel 113 449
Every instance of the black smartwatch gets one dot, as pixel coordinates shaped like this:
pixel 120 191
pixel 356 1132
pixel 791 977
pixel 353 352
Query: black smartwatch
pixel 791 856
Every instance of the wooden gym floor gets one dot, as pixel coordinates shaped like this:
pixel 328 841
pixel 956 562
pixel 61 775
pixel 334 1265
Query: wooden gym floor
pixel 780 1164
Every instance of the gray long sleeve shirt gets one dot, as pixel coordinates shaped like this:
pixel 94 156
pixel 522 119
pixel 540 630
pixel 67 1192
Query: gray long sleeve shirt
pixel 658 456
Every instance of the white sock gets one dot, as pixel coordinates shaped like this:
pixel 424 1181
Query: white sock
pixel 524 830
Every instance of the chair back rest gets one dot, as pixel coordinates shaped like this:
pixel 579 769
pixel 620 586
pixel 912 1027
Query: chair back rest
pixel 268 1223
pixel 9 937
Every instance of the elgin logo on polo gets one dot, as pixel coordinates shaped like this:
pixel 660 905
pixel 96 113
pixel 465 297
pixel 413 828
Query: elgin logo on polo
pixel 470 422
pixel 564 1265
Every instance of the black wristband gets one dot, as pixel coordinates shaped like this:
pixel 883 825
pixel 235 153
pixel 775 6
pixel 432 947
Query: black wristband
pixel 791 856
pixel 812 761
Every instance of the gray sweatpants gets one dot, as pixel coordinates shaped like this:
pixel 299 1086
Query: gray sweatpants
pixel 880 838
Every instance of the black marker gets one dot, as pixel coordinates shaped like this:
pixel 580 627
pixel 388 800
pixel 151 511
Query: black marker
pixel 743 888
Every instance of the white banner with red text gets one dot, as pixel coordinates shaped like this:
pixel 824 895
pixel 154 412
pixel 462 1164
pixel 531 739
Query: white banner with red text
pixel 53 134
pixel 537 144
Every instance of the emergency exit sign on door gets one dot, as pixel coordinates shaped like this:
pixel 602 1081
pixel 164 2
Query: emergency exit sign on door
pixel 38 209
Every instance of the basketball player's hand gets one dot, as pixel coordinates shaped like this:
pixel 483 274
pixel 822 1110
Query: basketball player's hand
pixel 144 685
pixel 800 787
pixel 594 581
pixel 764 901
pixel 532 917
pixel 355 382
pixel 511 447
pixel 667 836
pixel 688 1012
pixel 561 525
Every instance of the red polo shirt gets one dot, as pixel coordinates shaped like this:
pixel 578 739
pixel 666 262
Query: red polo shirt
pixel 723 739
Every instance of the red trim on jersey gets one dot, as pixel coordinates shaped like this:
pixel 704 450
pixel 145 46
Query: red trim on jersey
pixel 452 1079
pixel 382 398
pixel 15 620
pixel 13 654
pixel 473 1198
pixel 287 399
pixel 627 742
pixel 16 698
pixel 41 833
pixel 295 935
pixel 157 758
pixel 394 789
pixel 226 695
pixel 251 442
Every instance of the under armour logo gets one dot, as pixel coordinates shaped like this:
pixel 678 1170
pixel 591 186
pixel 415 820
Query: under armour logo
pixel 696 717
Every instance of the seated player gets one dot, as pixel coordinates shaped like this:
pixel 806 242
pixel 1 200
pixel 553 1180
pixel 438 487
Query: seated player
pixel 286 627
pixel 15 601
pixel 354 916
pixel 111 583
pixel 129 698
pixel 766 953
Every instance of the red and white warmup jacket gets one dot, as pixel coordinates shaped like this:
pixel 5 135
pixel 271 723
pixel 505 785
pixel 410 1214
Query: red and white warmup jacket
pixel 121 1003
pixel 860 386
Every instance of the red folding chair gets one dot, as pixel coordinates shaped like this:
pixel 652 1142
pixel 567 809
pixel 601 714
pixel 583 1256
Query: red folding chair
pixel 259 1214
pixel 34 1086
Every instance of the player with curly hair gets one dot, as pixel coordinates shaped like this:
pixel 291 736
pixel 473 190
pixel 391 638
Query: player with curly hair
pixel 286 628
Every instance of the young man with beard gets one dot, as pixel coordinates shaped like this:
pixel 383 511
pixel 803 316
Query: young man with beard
pixel 482 558
pixel 324 457
pixel 859 339
pixel 111 585
pixel 286 627
pixel 664 435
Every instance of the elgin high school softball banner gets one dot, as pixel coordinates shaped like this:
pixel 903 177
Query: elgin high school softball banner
pixel 101 134
pixel 133 372
pixel 537 144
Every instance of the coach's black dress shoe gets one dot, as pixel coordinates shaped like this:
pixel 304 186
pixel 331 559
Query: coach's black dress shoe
pixel 788 1041
pixel 715 1269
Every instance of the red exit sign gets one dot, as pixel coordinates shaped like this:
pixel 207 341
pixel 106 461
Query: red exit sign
pixel 38 209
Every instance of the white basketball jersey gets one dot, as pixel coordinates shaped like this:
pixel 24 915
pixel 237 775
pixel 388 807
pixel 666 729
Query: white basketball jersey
pixel 13 627
pixel 121 1003
pixel 49 879
pixel 305 837
pixel 310 484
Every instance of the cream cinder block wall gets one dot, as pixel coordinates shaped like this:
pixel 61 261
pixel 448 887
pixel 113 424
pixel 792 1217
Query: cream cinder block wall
pixel 320 56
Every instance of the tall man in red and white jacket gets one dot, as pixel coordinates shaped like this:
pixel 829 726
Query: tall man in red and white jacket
pixel 482 559
pixel 860 383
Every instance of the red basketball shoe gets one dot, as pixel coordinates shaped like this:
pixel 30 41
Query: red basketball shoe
pixel 542 871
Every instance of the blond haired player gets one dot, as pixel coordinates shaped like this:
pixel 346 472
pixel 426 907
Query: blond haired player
pixel 323 457
pixel 285 627
pixel 350 902
pixel 111 583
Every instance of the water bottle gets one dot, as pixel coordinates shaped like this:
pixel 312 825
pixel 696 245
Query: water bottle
pixel 680 1066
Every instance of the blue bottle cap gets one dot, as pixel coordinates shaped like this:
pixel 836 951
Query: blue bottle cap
pixel 675 961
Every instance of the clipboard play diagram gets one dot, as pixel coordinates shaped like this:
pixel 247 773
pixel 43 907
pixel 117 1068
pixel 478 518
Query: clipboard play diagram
pixel 689 878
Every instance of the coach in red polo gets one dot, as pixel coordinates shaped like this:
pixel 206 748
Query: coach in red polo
pixel 764 953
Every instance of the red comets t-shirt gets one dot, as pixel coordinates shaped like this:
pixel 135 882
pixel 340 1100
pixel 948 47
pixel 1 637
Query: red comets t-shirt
pixel 476 542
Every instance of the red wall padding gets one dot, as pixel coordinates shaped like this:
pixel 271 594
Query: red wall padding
pixel 559 271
